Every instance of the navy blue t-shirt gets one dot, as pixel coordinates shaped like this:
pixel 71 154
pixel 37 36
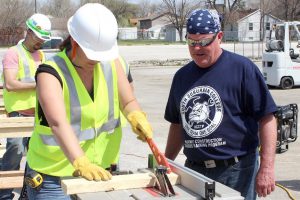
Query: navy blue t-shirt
pixel 219 107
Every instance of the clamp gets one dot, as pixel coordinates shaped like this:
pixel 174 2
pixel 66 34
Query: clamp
pixel 163 184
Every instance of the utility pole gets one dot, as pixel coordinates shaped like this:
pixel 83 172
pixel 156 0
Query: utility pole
pixel 262 19
pixel 35 6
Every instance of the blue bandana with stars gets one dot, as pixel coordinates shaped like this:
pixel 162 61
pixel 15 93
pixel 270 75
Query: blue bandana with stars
pixel 203 22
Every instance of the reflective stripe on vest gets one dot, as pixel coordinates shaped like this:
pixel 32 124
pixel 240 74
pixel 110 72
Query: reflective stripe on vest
pixel 26 66
pixel 124 65
pixel 26 99
pixel 75 116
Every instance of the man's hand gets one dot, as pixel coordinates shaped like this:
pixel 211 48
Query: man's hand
pixel 84 168
pixel 140 125
pixel 265 182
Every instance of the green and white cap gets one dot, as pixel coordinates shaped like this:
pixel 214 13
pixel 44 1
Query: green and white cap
pixel 40 25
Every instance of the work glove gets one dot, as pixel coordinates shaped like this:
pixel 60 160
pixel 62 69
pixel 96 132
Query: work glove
pixel 140 125
pixel 86 169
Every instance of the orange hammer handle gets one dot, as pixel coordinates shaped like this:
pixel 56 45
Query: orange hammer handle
pixel 160 158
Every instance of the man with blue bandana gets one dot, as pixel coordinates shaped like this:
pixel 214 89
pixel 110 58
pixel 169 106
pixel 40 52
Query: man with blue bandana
pixel 220 111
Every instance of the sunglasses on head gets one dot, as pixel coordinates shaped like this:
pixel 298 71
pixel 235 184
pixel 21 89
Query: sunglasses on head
pixel 203 42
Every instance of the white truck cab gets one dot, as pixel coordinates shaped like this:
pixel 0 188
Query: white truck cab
pixel 280 62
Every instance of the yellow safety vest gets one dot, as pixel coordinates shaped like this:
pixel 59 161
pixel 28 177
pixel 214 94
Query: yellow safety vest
pixel 95 123
pixel 125 67
pixel 26 99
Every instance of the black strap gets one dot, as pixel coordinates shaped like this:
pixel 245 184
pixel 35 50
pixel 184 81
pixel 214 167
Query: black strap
pixel 23 194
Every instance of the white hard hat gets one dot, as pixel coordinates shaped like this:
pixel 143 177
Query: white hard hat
pixel 95 29
pixel 40 25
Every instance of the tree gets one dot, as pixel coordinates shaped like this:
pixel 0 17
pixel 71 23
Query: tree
pixel 288 10
pixel 146 8
pixel 227 10
pixel 120 8
pixel 58 8
pixel 266 7
pixel 177 12
pixel 13 13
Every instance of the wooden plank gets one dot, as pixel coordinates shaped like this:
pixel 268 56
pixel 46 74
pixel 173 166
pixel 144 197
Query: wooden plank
pixel 182 193
pixel 23 120
pixel 11 182
pixel 11 173
pixel 3 113
pixel 16 132
pixel 120 182
pixel 11 127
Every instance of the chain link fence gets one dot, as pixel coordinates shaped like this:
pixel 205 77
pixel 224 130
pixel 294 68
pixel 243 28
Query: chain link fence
pixel 252 47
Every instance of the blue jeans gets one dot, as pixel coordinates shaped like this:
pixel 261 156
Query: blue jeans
pixel 240 176
pixel 15 149
pixel 50 189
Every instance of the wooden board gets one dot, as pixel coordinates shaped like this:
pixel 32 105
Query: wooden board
pixel 11 179
pixel 181 192
pixel 11 173
pixel 11 182
pixel 11 127
pixel 120 182
pixel 2 112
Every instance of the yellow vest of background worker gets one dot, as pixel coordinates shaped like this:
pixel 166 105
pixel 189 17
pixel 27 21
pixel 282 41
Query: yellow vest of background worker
pixel 96 123
pixel 26 99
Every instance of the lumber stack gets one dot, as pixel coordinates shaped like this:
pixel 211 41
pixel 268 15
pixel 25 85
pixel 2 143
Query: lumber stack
pixel 11 127
pixel 2 111
pixel 11 179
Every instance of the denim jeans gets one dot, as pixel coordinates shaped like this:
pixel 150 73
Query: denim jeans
pixel 50 189
pixel 240 176
pixel 15 149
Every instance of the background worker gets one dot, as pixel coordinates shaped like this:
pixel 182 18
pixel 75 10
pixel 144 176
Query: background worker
pixel 77 122
pixel 220 110
pixel 19 67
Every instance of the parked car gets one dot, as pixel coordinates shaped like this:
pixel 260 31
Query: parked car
pixel 53 43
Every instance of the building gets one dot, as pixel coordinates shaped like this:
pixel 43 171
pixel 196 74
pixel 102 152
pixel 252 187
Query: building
pixel 153 26
pixel 255 26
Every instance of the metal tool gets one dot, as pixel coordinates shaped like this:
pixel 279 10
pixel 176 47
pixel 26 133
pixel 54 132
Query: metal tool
pixel 114 170
pixel 163 184
pixel 33 179
pixel 160 158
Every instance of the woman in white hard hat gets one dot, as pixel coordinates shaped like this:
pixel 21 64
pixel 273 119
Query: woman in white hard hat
pixel 77 123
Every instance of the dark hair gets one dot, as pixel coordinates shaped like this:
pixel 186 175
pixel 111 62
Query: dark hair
pixel 66 44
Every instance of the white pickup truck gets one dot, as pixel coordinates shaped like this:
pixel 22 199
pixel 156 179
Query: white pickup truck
pixel 52 45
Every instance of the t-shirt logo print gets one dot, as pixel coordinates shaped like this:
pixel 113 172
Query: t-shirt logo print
pixel 201 111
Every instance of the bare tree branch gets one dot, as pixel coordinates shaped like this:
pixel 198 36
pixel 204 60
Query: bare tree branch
pixel 177 12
